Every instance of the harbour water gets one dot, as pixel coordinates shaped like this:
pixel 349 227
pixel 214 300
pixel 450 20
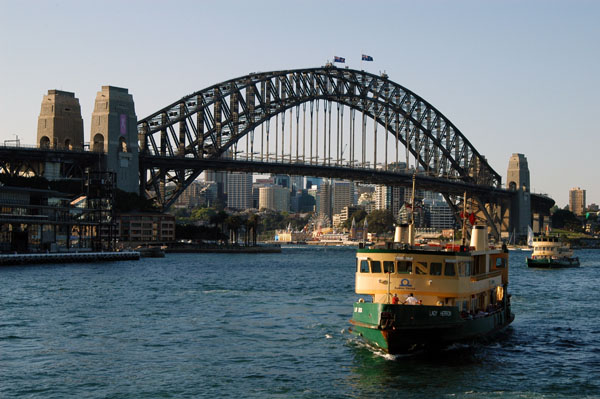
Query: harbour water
pixel 274 326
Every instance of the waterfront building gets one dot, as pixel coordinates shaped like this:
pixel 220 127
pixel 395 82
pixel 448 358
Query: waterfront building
pixel 60 125
pixel 239 190
pixel 577 201
pixel 37 220
pixel 136 228
pixel 291 236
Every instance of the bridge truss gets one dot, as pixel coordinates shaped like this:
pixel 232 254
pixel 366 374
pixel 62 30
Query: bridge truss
pixel 270 121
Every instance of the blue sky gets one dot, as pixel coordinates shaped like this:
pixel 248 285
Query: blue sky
pixel 513 76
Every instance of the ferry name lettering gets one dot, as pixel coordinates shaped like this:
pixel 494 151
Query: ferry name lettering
pixel 404 283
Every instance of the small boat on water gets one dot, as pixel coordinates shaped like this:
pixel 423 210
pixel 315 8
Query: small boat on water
pixel 551 252
pixel 430 296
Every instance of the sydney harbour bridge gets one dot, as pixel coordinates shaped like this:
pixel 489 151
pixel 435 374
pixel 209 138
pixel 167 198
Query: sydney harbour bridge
pixel 324 122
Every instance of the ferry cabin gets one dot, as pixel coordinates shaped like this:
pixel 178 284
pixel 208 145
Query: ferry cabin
pixel 472 280
pixel 545 247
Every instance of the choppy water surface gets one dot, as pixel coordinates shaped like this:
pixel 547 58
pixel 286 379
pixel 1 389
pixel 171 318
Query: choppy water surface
pixel 274 325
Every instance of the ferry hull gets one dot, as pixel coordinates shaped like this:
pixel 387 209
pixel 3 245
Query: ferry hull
pixel 553 263
pixel 398 329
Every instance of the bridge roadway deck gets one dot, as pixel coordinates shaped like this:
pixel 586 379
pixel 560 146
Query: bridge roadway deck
pixel 367 175
pixel 32 154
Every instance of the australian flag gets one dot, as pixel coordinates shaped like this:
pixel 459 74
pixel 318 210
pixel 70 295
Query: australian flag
pixel 339 59
pixel 367 58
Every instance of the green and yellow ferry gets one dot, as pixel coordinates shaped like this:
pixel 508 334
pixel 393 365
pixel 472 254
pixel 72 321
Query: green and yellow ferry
pixel 430 296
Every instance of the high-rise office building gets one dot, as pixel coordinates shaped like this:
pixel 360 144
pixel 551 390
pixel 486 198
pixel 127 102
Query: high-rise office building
pixel 439 213
pixel 389 197
pixel 220 179
pixel 577 201
pixel 342 195
pixel 324 195
pixel 275 198
pixel 239 190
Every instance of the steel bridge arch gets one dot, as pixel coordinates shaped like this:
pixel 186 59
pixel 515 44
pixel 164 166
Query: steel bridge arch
pixel 206 123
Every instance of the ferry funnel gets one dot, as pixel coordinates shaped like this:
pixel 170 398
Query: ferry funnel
pixel 479 238
pixel 401 234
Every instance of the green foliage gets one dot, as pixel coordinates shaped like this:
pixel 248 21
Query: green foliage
pixel 358 217
pixel 564 219
pixel 380 221
pixel 203 214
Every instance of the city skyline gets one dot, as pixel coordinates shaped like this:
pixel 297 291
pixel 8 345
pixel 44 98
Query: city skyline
pixel 514 77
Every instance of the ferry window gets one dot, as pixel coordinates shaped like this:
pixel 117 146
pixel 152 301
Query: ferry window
pixel 500 263
pixel 421 268
pixel 375 266
pixel 449 269
pixel 364 266
pixel 435 269
pixel 388 266
pixel 464 269
pixel 404 266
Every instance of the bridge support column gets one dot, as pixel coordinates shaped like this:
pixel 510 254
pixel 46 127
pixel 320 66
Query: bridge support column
pixel 113 131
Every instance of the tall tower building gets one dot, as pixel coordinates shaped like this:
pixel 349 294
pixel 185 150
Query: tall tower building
pixel 324 195
pixel 113 130
pixel 577 201
pixel 342 195
pixel 60 124
pixel 517 179
pixel 239 190
pixel 389 197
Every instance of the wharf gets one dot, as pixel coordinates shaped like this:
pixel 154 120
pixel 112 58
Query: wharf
pixel 66 257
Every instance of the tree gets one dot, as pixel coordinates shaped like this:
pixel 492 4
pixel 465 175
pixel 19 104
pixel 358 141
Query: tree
pixel 205 215
pixel 358 217
pixel 565 219
pixel 252 225
pixel 234 222
pixel 380 221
